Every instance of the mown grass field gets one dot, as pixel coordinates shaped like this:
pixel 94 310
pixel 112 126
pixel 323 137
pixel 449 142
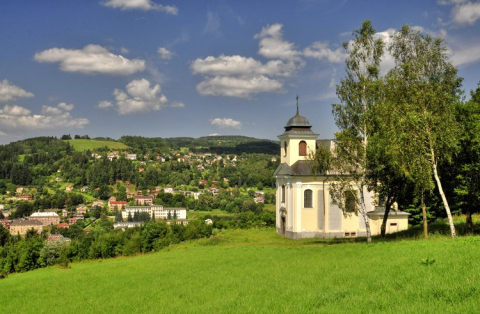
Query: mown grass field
pixel 82 144
pixel 256 271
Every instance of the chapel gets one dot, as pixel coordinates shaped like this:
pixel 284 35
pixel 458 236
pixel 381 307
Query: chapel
pixel 304 207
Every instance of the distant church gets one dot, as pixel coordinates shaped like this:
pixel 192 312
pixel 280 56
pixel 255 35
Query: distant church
pixel 304 207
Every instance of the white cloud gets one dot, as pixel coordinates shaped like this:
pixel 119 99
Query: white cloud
pixel 164 53
pixel 92 59
pixel 66 107
pixel 223 123
pixel 145 5
pixel 465 55
pixel 124 50
pixel 16 120
pixel 466 13
pixel 177 104
pixel 9 92
pixel 238 86
pixel 237 65
pixel 273 46
pixel 15 111
pixel 320 51
pixel 105 104
pixel 138 98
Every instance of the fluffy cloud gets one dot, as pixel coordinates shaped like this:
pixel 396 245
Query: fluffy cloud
pixel 321 51
pixel 64 106
pixel 138 98
pixel 145 5
pixel 18 120
pixel 226 123
pixel 273 46
pixel 465 55
pixel 105 104
pixel 92 59
pixel 238 86
pixel 466 13
pixel 237 66
pixel 164 53
pixel 9 92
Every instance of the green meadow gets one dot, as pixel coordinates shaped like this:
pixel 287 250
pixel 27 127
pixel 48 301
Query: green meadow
pixel 82 144
pixel 256 271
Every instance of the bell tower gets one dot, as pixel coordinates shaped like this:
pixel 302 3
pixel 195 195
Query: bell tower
pixel 298 141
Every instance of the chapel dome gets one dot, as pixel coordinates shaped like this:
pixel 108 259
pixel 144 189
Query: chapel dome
pixel 298 121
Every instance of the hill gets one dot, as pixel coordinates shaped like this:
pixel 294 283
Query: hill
pixel 81 145
pixel 255 271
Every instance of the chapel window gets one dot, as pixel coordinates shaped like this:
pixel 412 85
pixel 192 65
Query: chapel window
pixel 350 202
pixel 307 199
pixel 302 148
pixel 285 149
pixel 283 193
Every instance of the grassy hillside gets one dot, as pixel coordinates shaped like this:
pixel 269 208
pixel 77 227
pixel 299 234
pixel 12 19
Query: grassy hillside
pixel 256 271
pixel 82 145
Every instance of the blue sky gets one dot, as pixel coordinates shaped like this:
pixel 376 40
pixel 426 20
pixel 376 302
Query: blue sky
pixel 169 68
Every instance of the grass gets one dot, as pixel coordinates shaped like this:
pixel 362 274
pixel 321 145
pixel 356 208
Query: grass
pixel 82 144
pixel 256 271
pixel 200 214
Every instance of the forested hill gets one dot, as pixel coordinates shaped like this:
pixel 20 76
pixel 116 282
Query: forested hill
pixel 207 144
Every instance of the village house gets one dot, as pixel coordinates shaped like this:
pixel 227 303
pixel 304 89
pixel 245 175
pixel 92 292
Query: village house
pixel 81 209
pixel 21 226
pixel 26 197
pixel 98 204
pixel 6 213
pixel 75 219
pixel 169 189
pixel 131 156
pixel 143 200
pixel 46 218
pixel 69 187
pixel 113 204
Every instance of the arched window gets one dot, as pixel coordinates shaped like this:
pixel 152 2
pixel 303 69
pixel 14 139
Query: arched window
pixel 307 199
pixel 283 193
pixel 302 148
pixel 285 149
pixel 350 201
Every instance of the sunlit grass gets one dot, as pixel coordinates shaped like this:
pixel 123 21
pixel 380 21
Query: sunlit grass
pixel 256 271
pixel 82 144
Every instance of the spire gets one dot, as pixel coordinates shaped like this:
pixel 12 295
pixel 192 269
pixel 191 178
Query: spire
pixel 298 113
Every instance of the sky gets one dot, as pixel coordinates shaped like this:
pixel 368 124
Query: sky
pixel 174 68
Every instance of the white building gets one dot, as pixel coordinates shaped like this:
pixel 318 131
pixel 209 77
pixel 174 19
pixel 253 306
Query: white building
pixel 304 207
pixel 155 210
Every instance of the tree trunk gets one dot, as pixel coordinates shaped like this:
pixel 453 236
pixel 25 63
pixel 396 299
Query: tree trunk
pixel 444 199
pixel 383 227
pixel 425 222
pixel 365 217
pixel 469 220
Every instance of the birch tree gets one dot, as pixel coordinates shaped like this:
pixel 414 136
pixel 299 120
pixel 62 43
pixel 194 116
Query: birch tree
pixel 422 92
pixel 358 93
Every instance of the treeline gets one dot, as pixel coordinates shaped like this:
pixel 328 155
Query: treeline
pixel 207 144
pixel 102 241
pixel 19 255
